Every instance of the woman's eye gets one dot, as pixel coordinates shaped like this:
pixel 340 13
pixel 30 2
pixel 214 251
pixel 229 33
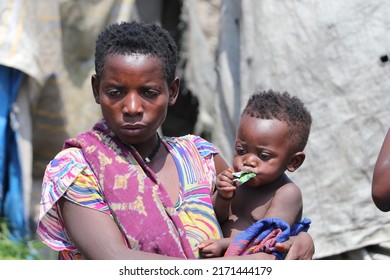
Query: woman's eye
pixel 115 93
pixel 151 93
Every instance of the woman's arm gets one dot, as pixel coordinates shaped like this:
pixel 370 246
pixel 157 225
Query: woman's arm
pixel 380 189
pixel 96 235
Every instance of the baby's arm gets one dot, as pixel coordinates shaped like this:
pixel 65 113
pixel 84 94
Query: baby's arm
pixel 286 204
pixel 224 194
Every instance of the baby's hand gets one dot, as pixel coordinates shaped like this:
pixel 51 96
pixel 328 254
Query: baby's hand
pixel 210 249
pixel 225 184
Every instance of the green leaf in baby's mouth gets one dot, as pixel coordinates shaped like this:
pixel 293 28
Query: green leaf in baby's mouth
pixel 242 177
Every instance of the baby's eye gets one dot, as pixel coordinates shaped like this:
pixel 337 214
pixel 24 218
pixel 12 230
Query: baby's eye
pixel 240 151
pixel 264 156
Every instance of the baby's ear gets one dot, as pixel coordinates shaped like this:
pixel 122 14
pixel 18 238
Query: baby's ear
pixel 296 161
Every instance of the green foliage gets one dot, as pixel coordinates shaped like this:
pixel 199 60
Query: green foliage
pixel 11 250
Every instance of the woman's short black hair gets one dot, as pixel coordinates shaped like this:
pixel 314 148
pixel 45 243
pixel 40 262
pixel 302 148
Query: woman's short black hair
pixel 137 38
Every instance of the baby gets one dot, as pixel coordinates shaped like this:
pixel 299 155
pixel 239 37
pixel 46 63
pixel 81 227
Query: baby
pixel 271 137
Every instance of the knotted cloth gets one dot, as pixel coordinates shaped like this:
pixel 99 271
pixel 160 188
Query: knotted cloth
pixel 263 235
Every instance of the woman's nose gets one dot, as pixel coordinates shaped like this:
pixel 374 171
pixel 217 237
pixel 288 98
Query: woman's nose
pixel 132 104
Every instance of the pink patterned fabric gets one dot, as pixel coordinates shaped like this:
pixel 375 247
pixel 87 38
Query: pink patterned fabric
pixel 138 201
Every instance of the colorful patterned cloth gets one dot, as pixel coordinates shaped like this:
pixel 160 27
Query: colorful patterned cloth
pixel 263 235
pixel 134 191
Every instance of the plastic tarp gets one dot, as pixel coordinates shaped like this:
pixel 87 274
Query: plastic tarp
pixel 11 185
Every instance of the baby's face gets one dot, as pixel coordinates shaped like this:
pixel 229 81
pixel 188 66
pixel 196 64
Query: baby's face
pixel 262 146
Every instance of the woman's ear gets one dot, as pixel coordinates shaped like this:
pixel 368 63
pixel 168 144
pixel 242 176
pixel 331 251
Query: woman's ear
pixel 296 161
pixel 174 91
pixel 95 88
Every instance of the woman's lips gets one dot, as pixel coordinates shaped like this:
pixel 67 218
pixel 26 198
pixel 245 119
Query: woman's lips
pixel 132 129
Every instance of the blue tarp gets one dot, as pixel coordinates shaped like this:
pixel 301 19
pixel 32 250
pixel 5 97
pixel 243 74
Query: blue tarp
pixel 11 185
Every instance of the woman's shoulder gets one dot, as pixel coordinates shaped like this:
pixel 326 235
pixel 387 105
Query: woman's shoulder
pixel 69 173
pixel 202 145
pixel 73 153
pixel 67 164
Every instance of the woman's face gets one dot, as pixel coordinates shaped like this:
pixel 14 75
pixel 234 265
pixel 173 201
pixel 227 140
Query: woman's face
pixel 134 96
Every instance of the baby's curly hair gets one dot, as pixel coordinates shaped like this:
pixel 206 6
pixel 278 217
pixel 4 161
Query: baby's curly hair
pixel 137 38
pixel 284 107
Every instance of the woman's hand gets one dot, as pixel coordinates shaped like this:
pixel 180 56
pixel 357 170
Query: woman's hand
pixel 300 247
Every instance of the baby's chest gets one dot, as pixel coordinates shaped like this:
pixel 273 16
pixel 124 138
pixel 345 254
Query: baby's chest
pixel 249 210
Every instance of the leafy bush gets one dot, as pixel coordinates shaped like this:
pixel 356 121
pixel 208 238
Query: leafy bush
pixel 27 249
